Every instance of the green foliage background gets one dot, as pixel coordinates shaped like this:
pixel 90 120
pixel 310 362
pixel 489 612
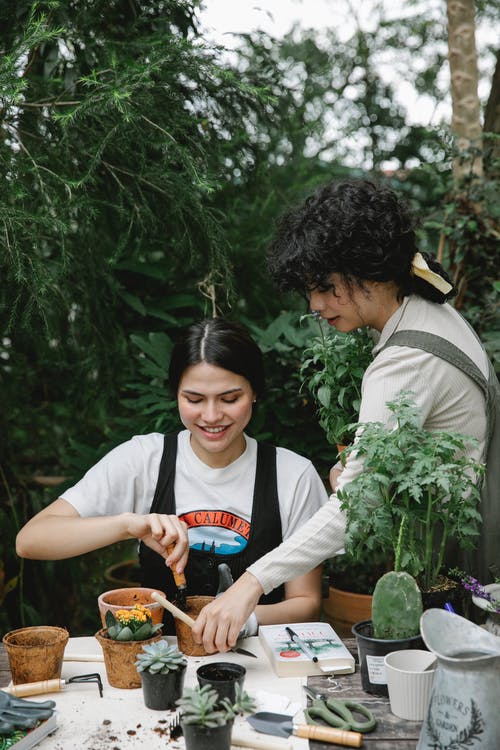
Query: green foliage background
pixel 141 173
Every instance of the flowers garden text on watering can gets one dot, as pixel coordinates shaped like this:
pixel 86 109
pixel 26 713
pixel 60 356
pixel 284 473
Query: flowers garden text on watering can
pixel 464 708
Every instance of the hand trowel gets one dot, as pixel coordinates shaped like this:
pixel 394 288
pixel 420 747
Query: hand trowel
pixel 180 582
pixel 283 725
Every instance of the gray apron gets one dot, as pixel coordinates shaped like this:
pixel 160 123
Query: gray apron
pixel 484 563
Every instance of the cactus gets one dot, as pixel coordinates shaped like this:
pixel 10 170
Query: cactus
pixel 131 624
pixel 396 606
pixel 160 658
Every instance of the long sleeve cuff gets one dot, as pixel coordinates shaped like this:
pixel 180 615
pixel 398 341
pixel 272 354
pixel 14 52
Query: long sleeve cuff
pixel 320 538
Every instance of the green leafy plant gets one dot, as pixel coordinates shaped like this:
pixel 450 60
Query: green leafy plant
pixel 414 482
pixel 160 658
pixel 332 370
pixel 201 706
pixel 133 624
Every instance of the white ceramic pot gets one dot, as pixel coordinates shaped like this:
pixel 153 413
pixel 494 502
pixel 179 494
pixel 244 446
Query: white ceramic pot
pixel 409 681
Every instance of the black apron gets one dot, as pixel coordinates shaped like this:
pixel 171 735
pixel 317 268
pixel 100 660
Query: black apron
pixel 201 571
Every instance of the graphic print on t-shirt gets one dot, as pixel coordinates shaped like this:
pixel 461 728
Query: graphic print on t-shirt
pixel 217 531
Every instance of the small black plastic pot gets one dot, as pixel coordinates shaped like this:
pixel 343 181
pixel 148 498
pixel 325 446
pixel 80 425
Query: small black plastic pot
pixel 223 676
pixel 198 737
pixel 371 652
pixel 160 691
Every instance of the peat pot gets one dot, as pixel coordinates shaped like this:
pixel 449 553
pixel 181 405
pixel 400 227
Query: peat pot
pixel 35 653
pixel 120 658
pixel 463 708
pixel 185 642
pixel 371 652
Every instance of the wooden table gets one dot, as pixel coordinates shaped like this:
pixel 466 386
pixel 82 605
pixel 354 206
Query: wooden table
pixel 391 733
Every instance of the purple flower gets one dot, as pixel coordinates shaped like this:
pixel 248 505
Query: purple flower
pixel 472 584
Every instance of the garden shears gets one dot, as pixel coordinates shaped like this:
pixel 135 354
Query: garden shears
pixel 339 713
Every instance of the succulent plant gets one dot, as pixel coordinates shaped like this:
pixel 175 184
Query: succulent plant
pixel 133 624
pixel 201 706
pixel 396 606
pixel 160 658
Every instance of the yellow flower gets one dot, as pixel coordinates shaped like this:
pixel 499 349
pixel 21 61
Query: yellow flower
pixel 136 615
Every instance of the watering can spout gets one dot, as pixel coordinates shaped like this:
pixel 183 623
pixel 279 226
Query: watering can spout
pixel 461 712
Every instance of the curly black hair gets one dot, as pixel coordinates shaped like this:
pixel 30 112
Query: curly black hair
pixel 355 228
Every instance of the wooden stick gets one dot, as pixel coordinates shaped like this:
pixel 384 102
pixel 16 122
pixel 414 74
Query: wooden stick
pixel 173 609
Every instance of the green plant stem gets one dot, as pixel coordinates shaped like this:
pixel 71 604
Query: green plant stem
pixel 442 546
pixel 399 544
pixel 428 538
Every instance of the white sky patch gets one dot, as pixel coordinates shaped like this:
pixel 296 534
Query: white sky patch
pixel 221 20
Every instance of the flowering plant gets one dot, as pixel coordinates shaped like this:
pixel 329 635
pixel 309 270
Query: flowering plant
pixel 476 588
pixel 133 624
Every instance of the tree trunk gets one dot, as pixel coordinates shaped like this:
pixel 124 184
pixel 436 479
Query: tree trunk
pixel 492 124
pixel 462 55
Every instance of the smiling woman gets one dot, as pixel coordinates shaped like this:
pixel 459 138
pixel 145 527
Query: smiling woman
pixel 212 489
pixel 215 405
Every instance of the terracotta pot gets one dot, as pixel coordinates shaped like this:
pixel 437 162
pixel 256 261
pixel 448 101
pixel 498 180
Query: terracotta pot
pixel 343 609
pixel 126 599
pixel 185 641
pixel 35 653
pixel 120 658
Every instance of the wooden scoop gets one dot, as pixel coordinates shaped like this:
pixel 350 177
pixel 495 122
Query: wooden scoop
pixel 175 611
pixel 189 620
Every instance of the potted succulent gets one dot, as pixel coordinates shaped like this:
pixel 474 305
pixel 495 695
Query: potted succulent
pixel 125 634
pixel 206 721
pixel 162 668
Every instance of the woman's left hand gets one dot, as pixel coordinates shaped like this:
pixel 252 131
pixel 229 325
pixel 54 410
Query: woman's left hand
pixel 219 623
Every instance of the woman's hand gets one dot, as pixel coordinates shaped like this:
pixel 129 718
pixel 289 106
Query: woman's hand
pixel 219 623
pixel 159 531
pixel 335 473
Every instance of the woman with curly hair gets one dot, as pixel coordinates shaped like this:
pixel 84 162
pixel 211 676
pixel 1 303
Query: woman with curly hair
pixel 351 249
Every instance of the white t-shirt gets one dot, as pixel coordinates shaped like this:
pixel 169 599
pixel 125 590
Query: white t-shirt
pixel 218 502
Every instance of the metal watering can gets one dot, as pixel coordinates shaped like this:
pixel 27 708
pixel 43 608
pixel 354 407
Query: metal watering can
pixel 464 708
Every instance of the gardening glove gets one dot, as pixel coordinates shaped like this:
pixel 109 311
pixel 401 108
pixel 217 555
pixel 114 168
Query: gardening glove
pixel 225 581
